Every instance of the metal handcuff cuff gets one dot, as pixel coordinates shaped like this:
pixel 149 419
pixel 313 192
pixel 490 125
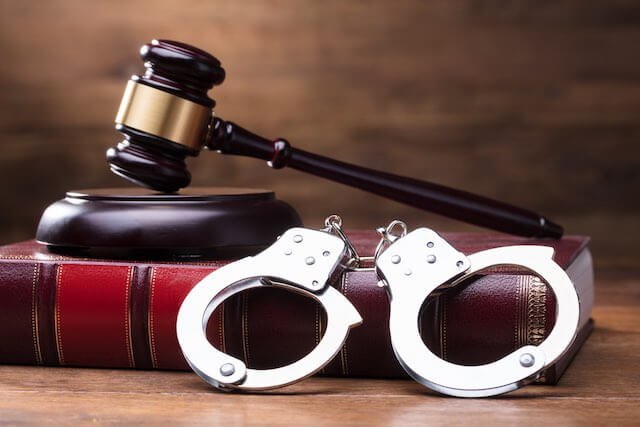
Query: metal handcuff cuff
pixel 301 260
pixel 411 267
pixel 416 264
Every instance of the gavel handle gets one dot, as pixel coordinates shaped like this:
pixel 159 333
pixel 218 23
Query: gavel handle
pixel 229 138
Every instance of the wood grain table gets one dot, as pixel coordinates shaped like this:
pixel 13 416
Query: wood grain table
pixel 602 386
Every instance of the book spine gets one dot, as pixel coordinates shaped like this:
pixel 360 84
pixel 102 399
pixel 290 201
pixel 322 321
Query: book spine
pixel 114 315
pixel 68 314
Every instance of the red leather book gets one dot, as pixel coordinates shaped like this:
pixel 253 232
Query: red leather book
pixel 58 310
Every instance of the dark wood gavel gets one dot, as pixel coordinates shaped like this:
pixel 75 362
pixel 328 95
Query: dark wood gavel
pixel 166 115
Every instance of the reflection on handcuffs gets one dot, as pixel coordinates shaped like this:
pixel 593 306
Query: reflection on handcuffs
pixel 411 266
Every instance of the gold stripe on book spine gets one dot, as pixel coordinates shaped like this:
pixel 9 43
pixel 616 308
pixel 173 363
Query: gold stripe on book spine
pixel 35 324
pixel 319 329
pixel 245 328
pixel 344 287
pixel 443 326
pixel 127 318
pixel 536 314
pixel 521 311
pixel 56 319
pixel 223 344
pixel 150 323
pixel 537 307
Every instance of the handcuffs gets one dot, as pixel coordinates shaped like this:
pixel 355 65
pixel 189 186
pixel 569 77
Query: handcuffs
pixel 411 266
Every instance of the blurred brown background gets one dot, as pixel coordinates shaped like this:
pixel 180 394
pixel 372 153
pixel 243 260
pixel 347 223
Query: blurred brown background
pixel 533 102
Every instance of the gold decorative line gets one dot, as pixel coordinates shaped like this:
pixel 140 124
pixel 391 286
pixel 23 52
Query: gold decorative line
pixel 34 314
pixel 42 258
pixel 536 316
pixel 223 345
pixel 32 258
pixel 344 285
pixel 57 320
pixel 524 307
pixel 319 331
pixel 520 323
pixel 317 328
pixel 245 328
pixel 516 329
pixel 443 327
pixel 127 317
pixel 523 304
pixel 152 341
pixel 320 311
pixel 210 264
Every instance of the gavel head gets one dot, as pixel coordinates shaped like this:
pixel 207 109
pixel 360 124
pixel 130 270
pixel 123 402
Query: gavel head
pixel 164 115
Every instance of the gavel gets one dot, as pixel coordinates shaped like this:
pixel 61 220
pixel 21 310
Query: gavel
pixel 166 115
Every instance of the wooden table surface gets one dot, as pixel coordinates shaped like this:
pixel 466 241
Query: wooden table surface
pixel 601 387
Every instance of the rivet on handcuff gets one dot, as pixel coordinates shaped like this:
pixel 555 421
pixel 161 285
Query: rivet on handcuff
pixel 411 267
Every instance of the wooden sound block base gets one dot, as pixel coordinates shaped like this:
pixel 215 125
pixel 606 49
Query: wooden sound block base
pixel 134 223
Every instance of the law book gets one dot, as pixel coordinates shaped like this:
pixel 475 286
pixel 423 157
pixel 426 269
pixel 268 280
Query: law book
pixel 60 310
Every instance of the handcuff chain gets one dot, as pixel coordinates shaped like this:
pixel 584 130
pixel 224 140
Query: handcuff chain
pixel 333 225
pixel 387 237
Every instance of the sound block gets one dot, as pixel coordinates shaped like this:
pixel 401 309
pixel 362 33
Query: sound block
pixel 134 223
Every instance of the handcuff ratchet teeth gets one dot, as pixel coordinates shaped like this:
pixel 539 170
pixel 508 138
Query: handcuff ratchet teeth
pixel 414 265
pixel 301 260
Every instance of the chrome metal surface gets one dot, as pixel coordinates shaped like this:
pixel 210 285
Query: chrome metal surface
pixel 450 267
pixel 301 260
